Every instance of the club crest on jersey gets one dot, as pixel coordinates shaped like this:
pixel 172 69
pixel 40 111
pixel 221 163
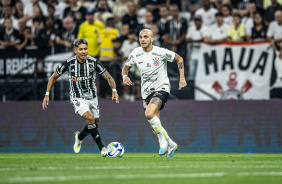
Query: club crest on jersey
pixel 91 67
pixel 156 61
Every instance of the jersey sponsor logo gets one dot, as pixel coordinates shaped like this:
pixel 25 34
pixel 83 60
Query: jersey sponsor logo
pixel 81 78
pixel 156 61
pixel 129 58
pixel 139 54
pixel 156 54
pixel 168 55
pixel 140 62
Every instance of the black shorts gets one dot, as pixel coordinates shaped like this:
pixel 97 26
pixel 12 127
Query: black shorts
pixel 160 94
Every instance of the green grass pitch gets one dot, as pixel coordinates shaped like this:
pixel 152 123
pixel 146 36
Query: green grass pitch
pixel 133 168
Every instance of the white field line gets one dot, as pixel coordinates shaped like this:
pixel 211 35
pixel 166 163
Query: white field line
pixel 260 174
pixel 138 167
pixel 101 177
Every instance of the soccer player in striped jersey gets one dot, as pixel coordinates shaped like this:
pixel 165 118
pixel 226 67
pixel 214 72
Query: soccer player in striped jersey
pixel 155 87
pixel 82 70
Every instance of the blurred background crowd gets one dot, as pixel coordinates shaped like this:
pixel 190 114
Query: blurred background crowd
pixel 112 26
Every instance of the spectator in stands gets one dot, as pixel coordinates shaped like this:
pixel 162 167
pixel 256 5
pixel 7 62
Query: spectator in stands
pixel 248 20
pixel 239 6
pixel 157 38
pixel 164 13
pixel 174 2
pixel 117 46
pixel 175 31
pixel 106 36
pixel 154 6
pixel 107 54
pixel 149 21
pixel 119 11
pixel 27 39
pixel 226 10
pixel 9 37
pixel 127 47
pixel 103 11
pixel 129 20
pixel 35 8
pixel 236 32
pixel 217 32
pixel 195 36
pixel 59 6
pixel 8 13
pixel 36 26
pixel 68 35
pixel 258 32
pixel 90 30
pixel 76 11
pixel 21 25
pixel 47 36
pixel 19 9
pixel 207 12
pixel 57 22
pixel 3 5
pixel 274 32
pixel 87 4
pixel 270 11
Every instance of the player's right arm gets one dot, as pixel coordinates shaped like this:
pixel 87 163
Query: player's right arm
pixel 126 79
pixel 62 68
pixel 51 83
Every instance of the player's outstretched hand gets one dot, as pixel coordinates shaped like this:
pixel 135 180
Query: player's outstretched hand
pixel 45 102
pixel 182 83
pixel 115 96
pixel 127 81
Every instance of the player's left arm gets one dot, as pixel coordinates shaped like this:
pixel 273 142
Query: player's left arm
pixel 180 63
pixel 112 84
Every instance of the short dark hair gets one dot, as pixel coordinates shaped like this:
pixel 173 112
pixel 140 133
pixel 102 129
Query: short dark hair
pixel 79 41
pixel 237 15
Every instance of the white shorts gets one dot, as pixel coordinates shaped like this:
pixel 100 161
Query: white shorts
pixel 81 105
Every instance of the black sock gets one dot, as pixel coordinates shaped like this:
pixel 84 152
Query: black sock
pixel 83 133
pixel 96 136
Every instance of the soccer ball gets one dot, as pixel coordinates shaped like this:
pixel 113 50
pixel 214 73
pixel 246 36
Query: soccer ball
pixel 115 149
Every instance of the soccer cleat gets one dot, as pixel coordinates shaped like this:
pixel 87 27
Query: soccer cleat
pixel 104 152
pixel 171 151
pixel 77 144
pixel 163 148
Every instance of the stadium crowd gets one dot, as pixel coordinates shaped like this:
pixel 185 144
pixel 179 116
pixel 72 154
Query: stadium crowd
pixel 112 26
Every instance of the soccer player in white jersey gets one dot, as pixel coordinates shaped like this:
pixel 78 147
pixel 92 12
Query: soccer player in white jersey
pixel 155 87
pixel 82 70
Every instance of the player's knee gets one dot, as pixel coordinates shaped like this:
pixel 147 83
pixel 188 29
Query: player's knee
pixel 90 119
pixel 149 115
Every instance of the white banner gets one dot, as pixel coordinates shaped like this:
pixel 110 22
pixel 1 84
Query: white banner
pixel 234 72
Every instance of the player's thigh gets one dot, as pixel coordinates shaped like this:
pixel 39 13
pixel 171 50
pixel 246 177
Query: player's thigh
pixel 94 107
pixel 154 107
pixel 88 116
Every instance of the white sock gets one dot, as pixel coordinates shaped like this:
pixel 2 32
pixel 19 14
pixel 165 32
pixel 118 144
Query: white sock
pixel 157 126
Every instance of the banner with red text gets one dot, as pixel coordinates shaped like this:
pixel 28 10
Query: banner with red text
pixel 234 72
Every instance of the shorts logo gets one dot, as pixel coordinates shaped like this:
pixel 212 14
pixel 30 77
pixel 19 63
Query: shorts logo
pixel 157 94
pixel 74 78
pixel 77 104
pixel 156 61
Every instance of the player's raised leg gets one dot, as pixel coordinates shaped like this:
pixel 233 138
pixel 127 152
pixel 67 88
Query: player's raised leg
pixel 92 129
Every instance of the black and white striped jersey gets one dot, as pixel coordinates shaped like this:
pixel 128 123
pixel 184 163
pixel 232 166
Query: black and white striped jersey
pixel 82 76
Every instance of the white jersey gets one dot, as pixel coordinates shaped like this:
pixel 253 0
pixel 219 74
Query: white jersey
pixel 153 68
